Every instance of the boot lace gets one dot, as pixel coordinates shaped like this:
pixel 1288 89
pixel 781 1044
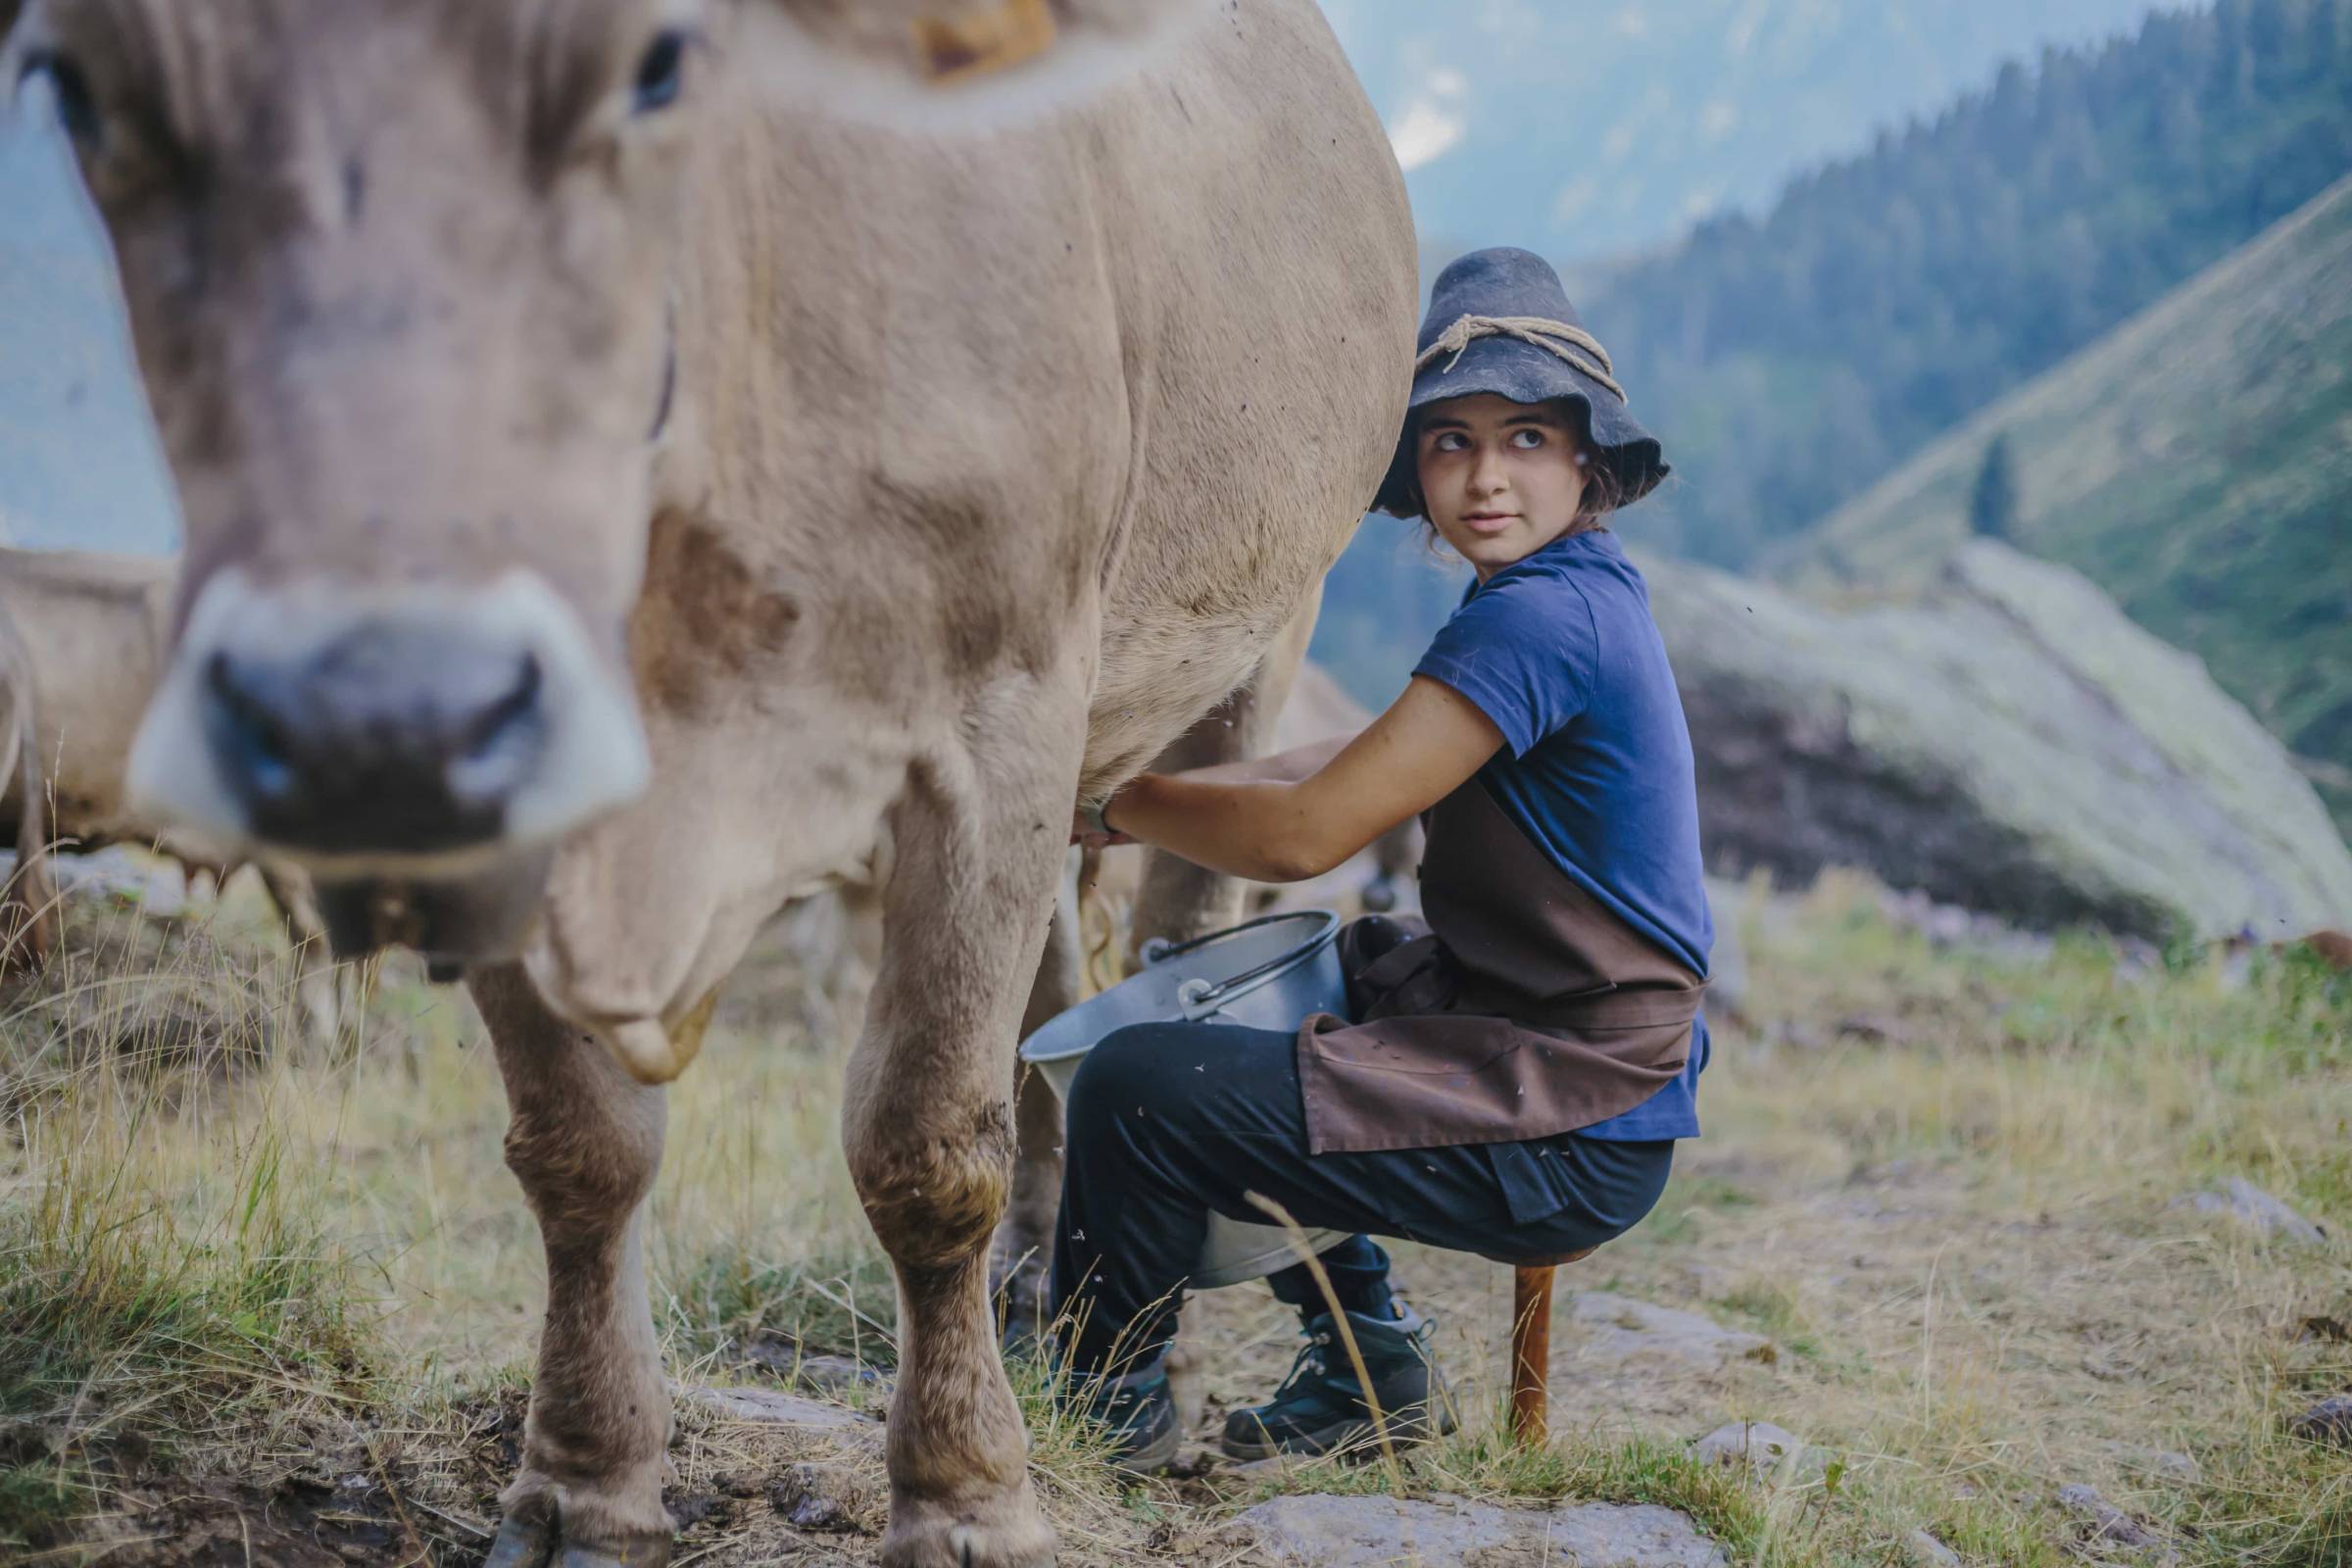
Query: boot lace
pixel 1321 1355
pixel 1312 1363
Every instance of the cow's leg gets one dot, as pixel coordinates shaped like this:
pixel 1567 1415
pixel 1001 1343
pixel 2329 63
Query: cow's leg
pixel 1021 1258
pixel 927 1124
pixel 584 1140
pixel 1180 900
pixel 317 987
pixel 31 923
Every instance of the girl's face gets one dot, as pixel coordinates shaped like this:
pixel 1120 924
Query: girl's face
pixel 1501 479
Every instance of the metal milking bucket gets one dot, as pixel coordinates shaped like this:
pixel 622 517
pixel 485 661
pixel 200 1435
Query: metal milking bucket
pixel 1267 973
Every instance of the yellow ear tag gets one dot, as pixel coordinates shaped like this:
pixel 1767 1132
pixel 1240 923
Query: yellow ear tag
pixel 983 37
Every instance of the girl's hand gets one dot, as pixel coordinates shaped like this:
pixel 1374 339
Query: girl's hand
pixel 1301 814
pixel 1088 830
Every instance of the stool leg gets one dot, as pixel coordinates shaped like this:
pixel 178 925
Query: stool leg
pixel 1531 1354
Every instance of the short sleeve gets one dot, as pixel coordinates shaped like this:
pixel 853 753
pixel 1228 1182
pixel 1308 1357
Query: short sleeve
pixel 1524 650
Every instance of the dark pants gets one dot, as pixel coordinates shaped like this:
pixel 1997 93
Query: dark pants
pixel 1170 1122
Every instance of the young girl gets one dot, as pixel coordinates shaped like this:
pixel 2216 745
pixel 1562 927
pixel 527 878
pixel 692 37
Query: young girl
pixel 1519 1071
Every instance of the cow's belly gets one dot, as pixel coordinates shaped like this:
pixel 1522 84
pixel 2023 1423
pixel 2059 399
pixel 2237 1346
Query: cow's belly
pixel 1160 673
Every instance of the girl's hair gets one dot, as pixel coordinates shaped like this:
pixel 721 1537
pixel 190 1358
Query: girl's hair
pixel 1604 493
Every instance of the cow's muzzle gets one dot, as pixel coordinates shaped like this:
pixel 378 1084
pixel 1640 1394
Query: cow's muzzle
pixel 412 732
pixel 394 736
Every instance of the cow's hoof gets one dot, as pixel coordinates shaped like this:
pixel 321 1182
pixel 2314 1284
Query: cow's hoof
pixel 521 1545
pixel 647 1551
pixel 535 1545
pixel 1003 1533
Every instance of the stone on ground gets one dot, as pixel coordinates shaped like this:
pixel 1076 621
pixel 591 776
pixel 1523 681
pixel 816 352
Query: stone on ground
pixel 2330 1422
pixel 2008 742
pixel 1620 1331
pixel 158 886
pixel 1926 1552
pixel 812 1498
pixel 2257 1210
pixel 1768 1451
pixel 827 1374
pixel 2106 1527
pixel 1327 1532
pixel 771 1408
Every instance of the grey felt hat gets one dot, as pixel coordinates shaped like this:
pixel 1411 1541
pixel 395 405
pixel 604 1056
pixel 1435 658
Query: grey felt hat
pixel 1500 321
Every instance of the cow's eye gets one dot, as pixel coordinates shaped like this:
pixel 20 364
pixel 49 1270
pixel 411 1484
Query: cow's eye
pixel 70 90
pixel 660 73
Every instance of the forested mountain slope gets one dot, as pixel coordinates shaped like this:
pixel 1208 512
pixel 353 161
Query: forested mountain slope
pixel 1789 362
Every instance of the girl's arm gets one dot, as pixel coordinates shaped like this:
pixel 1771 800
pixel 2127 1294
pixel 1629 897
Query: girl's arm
pixel 1283 768
pixel 1406 760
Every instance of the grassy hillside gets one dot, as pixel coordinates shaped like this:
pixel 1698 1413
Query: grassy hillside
pixel 2198 463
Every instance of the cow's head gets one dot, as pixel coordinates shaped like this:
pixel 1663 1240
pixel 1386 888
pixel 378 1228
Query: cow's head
pixel 397 273
pixel 400 274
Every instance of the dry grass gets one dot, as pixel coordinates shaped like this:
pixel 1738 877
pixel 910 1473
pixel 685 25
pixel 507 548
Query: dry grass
pixel 228 1269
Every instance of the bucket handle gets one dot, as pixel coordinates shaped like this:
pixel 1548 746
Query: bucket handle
pixel 1202 998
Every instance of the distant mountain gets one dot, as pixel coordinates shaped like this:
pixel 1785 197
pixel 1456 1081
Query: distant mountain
pixel 1790 360
pixel 1592 129
pixel 2196 464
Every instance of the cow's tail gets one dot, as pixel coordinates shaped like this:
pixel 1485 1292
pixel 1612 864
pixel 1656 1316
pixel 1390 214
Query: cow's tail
pixel 1098 925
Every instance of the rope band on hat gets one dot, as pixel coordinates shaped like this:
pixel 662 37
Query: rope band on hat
pixel 1580 348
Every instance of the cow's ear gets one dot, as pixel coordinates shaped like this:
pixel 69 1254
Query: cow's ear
pixel 948 65
pixel 962 43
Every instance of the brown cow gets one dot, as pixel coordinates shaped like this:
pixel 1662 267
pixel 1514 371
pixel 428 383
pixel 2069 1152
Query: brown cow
pixel 83 636
pixel 645 460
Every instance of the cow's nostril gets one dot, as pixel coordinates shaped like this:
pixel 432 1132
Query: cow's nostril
pixel 249 736
pixel 496 726
pixel 499 743
pixel 390 734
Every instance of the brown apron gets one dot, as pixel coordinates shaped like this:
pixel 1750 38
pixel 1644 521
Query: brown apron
pixel 1526 1009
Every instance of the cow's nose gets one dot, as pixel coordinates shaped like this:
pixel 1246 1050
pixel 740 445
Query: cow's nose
pixel 397 737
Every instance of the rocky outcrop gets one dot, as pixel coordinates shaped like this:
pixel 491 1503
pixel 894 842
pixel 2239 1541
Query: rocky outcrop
pixel 1761 1448
pixel 2006 741
pixel 1327 1532
pixel 2328 1422
pixel 2257 1210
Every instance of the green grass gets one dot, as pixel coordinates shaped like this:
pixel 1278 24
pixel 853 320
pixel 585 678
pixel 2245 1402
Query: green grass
pixel 129 1328
pixel 841 1303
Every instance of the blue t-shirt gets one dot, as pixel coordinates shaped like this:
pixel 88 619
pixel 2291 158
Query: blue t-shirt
pixel 1560 652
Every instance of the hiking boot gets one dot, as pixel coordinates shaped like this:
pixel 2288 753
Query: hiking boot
pixel 1137 1411
pixel 1320 1407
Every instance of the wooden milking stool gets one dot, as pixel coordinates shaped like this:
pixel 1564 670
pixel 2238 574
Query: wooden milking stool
pixel 1531 1344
